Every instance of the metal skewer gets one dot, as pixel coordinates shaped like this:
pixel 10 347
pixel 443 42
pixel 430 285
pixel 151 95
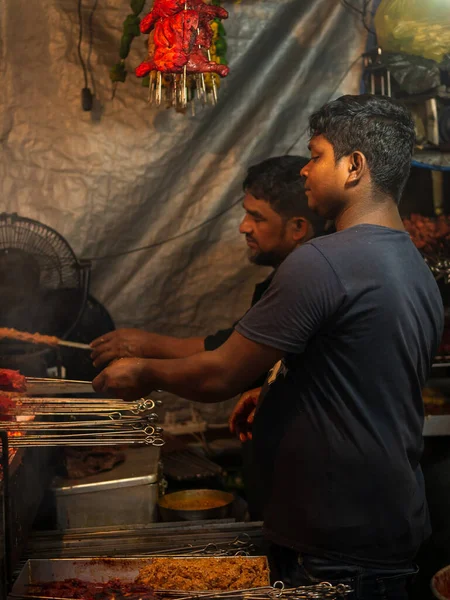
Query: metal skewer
pixel 74 345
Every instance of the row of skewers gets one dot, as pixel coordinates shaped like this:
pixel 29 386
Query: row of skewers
pixel 40 412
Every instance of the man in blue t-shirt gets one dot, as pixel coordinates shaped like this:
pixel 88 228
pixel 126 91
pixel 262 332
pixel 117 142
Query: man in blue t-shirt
pixel 355 318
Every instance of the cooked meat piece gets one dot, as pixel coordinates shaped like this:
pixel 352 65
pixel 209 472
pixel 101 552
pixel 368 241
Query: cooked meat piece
pixel 23 336
pixel 198 63
pixel 181 37
pixel 160 10
pixel 12 381
pixel 173 41
pixel 197 574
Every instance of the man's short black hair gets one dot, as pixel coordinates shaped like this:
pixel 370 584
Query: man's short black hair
pixel 277 180
pixel 380 128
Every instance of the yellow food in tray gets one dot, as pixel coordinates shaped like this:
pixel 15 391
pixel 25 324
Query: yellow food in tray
pixel 435 402
pixel 201 574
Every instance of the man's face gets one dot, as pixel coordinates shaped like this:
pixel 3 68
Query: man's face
pixel 325 179
pixel 267 233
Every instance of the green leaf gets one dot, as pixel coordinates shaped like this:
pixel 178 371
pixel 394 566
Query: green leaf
pixel 145 81
pixel 125 45
pixel 131 26
pixel 137 6
pixel 221 30
pixel 221 46
pixel 118 73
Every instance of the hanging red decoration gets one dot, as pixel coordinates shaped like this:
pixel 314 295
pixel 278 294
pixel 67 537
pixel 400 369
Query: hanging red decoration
pixel 179 51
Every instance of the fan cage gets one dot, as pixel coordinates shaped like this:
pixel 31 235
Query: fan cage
pixel 44 254
pixel 59 266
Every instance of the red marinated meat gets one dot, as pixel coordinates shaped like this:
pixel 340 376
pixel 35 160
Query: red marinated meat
pixel 75 588
pixel 182 36
pixel 12 381
pixel 6 403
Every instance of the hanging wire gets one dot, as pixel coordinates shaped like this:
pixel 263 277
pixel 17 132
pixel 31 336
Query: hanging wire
pixel 170 239
pixel 91 42
pixel 361 12
pixel 80 39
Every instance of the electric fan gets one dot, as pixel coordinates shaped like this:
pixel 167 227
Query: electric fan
pixel 43 285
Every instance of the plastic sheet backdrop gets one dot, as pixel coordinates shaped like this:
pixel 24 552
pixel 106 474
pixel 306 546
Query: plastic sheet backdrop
pixel 128 175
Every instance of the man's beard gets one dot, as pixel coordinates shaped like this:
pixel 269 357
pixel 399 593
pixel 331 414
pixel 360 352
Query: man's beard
pixel 265 259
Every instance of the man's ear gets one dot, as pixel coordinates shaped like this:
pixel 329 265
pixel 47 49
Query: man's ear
pixel 357 165
pixel 299 228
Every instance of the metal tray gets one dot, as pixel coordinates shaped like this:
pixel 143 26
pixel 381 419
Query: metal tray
pixel 58 387
pixel 436 425
pixel 91 569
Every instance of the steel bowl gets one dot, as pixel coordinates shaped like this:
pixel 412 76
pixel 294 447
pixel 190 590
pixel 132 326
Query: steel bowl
pixel 195 505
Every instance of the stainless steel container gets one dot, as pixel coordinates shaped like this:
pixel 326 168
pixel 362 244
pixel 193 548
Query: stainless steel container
pixel 99 569
pixel 126 495
pixel 195 505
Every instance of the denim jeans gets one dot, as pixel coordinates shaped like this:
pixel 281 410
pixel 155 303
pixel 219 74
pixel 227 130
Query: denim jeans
pixel 367 583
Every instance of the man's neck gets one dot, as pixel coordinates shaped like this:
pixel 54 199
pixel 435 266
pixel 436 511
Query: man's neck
pixel 382 212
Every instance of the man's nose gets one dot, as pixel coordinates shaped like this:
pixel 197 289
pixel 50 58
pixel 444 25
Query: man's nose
pixel 304 172
pixel 245 226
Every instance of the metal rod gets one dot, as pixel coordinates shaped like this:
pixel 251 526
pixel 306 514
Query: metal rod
pixel 55 380
pixel 158 88
pixel 40 441
pixel 213 79
pixel 7 529
pixel 74 345
pixel 151 87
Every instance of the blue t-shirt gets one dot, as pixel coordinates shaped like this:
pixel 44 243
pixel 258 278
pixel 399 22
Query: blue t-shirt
pixel 338 434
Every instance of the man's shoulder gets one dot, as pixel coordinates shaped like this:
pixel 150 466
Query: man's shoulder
pixel 310 262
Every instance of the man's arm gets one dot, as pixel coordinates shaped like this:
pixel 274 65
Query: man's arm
pixel 304 294
pixel 128 343
pixel 203 377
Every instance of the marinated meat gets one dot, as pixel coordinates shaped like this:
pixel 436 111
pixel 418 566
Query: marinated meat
pixel 195 574
pixel 160 10
pixel 6 403
pixel 12 381
pixel 23 336
pixel 75 588
pixel 173 41
pixel 181 36
pixel 429 235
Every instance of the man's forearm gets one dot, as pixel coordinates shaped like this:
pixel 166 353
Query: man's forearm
pixel 199 377
pixel 203 377
pixel 164 346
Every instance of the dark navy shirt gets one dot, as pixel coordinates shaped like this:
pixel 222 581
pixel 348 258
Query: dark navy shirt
pixel 338 434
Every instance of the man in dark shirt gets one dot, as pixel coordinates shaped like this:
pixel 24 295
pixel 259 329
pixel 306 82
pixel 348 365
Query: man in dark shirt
pixel 356 318
pixel 277 220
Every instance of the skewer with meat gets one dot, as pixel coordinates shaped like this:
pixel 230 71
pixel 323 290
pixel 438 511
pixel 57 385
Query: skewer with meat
pixel 6 404
pixel 12 381
pixel 161 9
pixel 23 336
pixel 172 42
pixel 181 37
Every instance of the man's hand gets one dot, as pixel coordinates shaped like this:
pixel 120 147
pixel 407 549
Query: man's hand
pixel 124 379
pixel 241 420
pixel 123 343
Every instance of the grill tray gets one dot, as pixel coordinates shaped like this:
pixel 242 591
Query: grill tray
pixel 100 570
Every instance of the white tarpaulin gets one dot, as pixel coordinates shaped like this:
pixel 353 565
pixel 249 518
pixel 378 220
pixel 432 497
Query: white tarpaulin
pixel 129 175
